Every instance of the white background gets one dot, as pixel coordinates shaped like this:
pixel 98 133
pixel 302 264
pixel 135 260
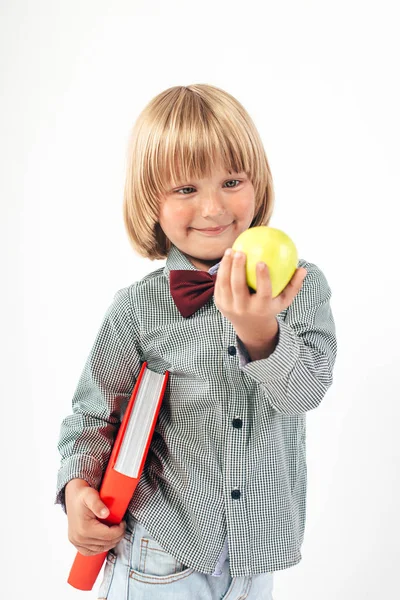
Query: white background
pixel 321 82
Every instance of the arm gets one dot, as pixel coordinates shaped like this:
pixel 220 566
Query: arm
pixel 299 370
pixel 108 377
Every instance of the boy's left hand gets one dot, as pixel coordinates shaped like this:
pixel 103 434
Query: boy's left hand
pixel 253 315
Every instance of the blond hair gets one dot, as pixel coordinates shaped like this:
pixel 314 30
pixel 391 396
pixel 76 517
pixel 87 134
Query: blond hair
pixel 181 134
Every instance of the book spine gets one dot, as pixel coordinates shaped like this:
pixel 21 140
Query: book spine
pixel 116 491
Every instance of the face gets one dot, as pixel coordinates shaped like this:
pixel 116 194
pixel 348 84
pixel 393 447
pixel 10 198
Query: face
pixel 226 198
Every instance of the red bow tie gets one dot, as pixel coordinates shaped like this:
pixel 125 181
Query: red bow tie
pixel 191 289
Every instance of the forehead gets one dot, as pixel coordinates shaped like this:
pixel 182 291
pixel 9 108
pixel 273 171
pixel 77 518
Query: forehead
pixel 213 170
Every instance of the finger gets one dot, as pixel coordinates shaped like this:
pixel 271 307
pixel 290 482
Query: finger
pixel 223 281
pixel 238 278
pixel 93 502
pixel 101 539
pixel 96 546
pixel 298 277
pixel 92 550
pixel 294 285
pixel 264 286
pixel 99 532
pixel 95 543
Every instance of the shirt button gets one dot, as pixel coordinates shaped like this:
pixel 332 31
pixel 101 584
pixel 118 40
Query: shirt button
pixel 237 423
pixel 232 350
pixel 235 494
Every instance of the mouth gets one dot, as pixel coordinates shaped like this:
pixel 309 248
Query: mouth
pixel 213 230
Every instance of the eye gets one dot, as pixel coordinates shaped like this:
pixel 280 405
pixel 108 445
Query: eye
pixel 185 188
pixel 238 182
pixel 191 188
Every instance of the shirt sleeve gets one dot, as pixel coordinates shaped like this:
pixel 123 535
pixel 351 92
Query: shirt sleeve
pixel 105 385
pixel 297 375
pixel 244 356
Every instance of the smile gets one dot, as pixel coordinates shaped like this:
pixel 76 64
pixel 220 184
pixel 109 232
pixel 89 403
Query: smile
pixel 215 231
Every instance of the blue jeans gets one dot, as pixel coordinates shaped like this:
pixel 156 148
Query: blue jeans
pixel 138 568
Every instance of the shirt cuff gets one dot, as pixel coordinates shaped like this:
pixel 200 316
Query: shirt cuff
pixel 280 363
pixel 244 356
pixel 77 467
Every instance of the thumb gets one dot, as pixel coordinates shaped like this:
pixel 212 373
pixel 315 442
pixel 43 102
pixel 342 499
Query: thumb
pixel 95 504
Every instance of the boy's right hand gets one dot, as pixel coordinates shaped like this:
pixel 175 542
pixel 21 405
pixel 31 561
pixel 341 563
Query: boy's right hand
pixel 88 534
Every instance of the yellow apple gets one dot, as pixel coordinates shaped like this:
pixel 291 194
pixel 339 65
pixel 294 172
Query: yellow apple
pixel 273 247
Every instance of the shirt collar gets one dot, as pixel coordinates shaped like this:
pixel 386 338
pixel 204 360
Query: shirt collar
pixel 177 260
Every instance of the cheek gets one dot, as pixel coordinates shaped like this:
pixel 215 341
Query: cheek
pixel 245 205
pixel 182 213
pixel 175 216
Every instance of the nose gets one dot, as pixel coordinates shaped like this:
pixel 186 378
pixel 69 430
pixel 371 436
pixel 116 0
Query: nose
pixel 211 205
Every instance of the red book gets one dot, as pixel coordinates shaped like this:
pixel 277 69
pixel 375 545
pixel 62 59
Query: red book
pixel 125 466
